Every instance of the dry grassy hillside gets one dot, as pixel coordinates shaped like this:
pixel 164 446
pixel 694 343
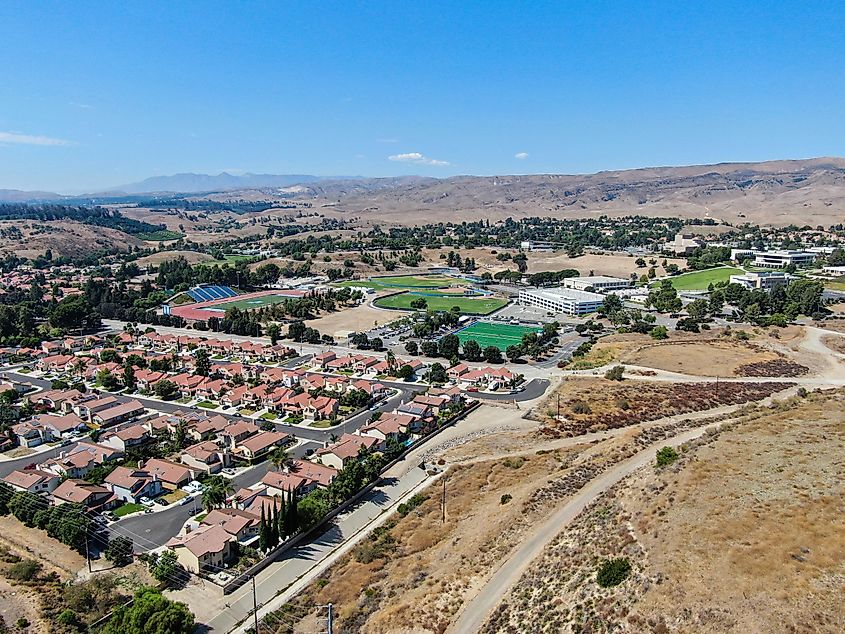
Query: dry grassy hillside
pixel 777 192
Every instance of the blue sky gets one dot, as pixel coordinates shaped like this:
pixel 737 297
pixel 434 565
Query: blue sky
pixel 97 94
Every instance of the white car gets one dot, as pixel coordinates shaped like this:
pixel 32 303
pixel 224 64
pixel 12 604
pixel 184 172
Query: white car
pixel 146 501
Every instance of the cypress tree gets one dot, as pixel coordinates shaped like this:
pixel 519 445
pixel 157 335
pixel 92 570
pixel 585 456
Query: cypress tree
pixel 283 520
pixel 263 535
pixel 274 526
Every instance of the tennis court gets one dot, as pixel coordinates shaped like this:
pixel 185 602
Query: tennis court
pixel 499 335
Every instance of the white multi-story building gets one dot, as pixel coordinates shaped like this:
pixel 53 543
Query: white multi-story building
pixel 835 271
pixel 596 283
pixel 562 300
pixel 780 259
pixel 538 245
pixel 765 281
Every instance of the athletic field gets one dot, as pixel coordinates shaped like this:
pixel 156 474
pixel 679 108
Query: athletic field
pixel 473 305
pixel 700 280
pixel 396 282
pixel 499 335
pixel 250 303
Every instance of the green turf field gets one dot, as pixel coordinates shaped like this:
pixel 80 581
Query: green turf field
pixel 479 305
pixel 250 304
pixel 499 335
pixel 700 280
pixel 396 282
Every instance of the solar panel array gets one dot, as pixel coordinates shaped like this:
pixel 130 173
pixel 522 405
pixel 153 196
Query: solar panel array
pixel 208 293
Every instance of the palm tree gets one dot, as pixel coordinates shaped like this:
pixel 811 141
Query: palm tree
pixel 280 457
pixel 216 490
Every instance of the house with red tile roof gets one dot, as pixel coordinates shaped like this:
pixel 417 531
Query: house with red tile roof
pixel 207 456
pixel 130 485
pixel 172 475
pixel 94 497
pixel 260 445
pixel 32 480
pixel 345 450
pixel 207 548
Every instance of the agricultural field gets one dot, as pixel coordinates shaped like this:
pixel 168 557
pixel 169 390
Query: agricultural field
pixel 162 235
pixel 476 305
pixel 701 280
pixel 499 335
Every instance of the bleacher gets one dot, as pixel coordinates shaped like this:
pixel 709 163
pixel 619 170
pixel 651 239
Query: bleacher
pixel 209 292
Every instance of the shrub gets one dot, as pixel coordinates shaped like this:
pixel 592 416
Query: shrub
pixel 802 392
pixel 580 407
pixel 507 497
pixel 666 456
pixel 612 572
pixel 623 404
pixel 615 373
pixel 68 617
pixel 25 570
pixel 514 463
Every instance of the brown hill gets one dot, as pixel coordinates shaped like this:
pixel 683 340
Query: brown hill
pixel 810 191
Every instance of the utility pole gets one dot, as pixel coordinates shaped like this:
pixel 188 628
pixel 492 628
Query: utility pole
pixel 443 502
pixel 330 619
pixel 87 552
pixel 254 605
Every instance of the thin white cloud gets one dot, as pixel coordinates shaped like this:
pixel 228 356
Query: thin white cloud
pixel 521 156
pixel 28 139
pixel 387 140
pixel 416 157
pixel 83 106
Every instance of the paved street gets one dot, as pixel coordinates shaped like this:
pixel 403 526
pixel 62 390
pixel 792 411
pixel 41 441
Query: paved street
pixel 149 531
pixel 298 561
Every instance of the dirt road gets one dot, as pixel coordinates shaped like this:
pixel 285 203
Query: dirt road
pixel 475 613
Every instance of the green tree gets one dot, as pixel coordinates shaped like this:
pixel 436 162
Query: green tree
pixel 274 332
pixel 437 373
pixel 150 613
pixel 472 351
pixel 129 381
pixel 659 332
pixel 202 362
pixel 406 372
pixel 73 313
pixel 166 568
pixel 411 347
pixel 165 389
pixel 449 346
pixel 119 551
pixel 492 354
pixel 280 457
pixel 215 491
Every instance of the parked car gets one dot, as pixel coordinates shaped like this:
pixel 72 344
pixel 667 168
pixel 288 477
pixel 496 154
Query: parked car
pixel 146 501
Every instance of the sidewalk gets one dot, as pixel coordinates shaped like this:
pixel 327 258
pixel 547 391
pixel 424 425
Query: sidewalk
pixel 223 613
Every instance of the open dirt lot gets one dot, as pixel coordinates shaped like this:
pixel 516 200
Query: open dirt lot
pixel 596 404
pixel 772 353
pixel 615 265
pixel 157 258
pixel 744 533
pixel 358 318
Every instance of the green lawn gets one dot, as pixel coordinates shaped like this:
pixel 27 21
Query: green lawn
pixel 246 412
pixel 324 424
pixel 128 508
pixel 255 302
pixel 836 285
pixel 269 416
pixel 499 335
pixel 700 280
pixel 207 404
pixel 468 305
pixel 394 282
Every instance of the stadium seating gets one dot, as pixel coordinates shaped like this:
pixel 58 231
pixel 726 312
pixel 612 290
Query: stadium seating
pixel 210 292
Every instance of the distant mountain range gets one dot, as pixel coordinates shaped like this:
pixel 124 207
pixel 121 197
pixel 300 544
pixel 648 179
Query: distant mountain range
pixel 189 183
